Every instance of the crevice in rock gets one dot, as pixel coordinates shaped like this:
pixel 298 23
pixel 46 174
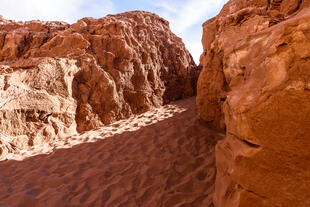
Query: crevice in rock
pixel 252 192
pixel 252 145
pixel 3 41
pixel 247 142
pixel 43 117
pixel 242 17
pixel 282 44
pixel 298 6
pixel 223 99
pixel 268 5
pixel 305 59
pixel 275 21
pixel 44 41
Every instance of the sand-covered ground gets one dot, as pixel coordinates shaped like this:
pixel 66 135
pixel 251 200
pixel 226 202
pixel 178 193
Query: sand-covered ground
pixel 164 157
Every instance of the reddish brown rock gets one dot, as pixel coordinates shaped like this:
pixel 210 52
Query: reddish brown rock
pixel 57 78
pixel 255 83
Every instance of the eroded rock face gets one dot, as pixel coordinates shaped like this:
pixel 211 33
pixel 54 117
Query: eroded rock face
pixel 37 103
pixel 56 78
pixel 255 83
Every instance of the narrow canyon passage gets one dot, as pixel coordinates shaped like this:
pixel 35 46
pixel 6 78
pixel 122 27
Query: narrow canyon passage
pixel 168 163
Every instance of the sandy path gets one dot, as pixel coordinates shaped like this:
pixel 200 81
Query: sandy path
pixel 170 162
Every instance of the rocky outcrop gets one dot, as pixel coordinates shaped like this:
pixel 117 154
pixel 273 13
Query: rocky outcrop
pixel 56 78
pixel 255 84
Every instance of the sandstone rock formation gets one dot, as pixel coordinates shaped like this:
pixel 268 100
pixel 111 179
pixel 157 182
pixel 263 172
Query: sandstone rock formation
pixel 255 83
pixel 56 78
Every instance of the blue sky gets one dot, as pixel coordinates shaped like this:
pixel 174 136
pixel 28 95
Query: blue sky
pixel 185 16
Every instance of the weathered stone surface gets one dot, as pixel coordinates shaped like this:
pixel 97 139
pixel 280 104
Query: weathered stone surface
pixel 255 83
pixel 56 78
pixel 37 103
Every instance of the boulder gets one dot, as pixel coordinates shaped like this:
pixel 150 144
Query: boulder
pixel 57 79
pixel 255 86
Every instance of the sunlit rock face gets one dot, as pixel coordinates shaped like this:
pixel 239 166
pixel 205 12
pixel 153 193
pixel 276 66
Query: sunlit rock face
pixel 255 84
pixel 56 78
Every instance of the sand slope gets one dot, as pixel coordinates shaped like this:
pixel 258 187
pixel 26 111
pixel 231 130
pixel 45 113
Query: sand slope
pixel 164 162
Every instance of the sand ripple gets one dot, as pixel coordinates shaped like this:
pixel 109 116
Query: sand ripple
pixel 164 157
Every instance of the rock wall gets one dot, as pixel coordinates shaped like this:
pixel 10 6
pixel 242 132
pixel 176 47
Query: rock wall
pixel 56 78
pixel 255 85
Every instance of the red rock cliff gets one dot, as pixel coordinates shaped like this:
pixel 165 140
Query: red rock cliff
pixel 57 78
pixel 255 83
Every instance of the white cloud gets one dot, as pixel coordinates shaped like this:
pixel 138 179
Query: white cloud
pixel 186 18
pixel 61 10
pixel 183 15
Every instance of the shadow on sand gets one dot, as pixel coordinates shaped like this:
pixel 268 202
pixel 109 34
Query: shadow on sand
pixel 168 163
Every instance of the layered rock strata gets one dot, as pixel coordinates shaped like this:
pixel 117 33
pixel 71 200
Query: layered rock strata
pixel 56 78
pixel 255 84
